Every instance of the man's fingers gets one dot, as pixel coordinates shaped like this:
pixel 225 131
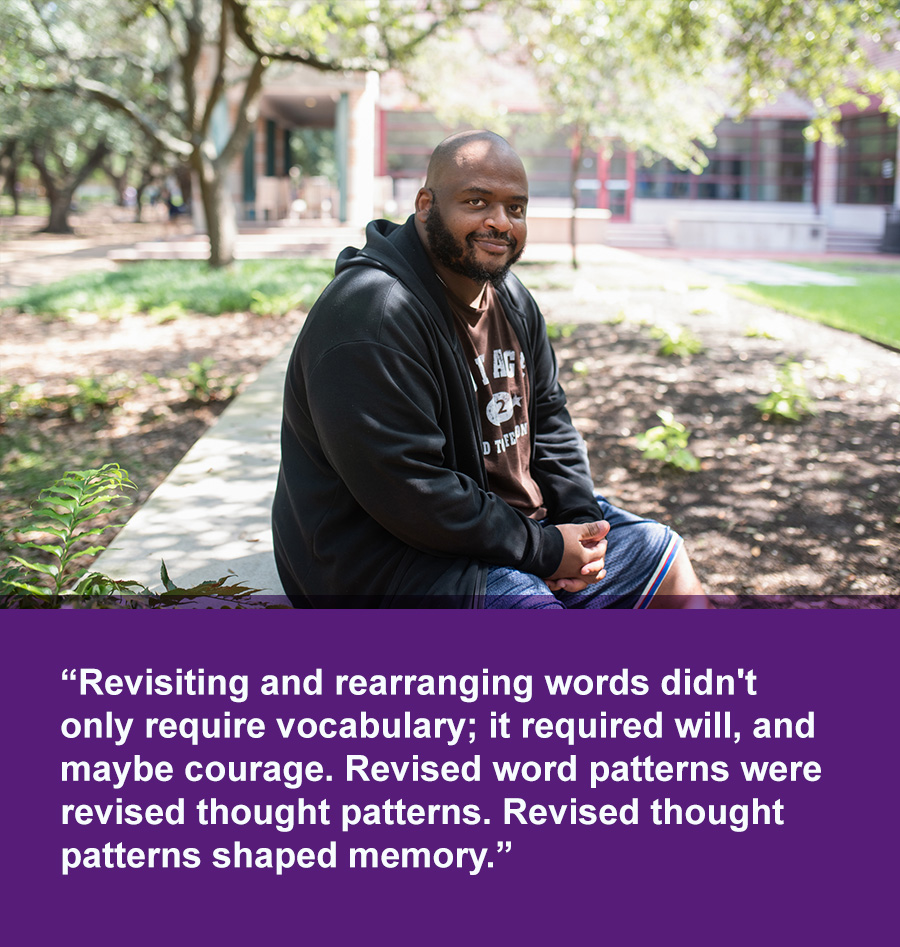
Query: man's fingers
pixel 597 562
pixel 591 533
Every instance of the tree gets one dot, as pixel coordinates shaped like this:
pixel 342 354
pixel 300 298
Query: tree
pixel 65 134
pixel 191 52
pixel 659 75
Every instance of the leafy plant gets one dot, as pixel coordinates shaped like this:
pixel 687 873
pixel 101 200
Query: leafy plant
pixel 789 399
pixel 19 401
pixel 676 340
pixel 667 442
pixel 204 384
pixel 556 331
pixel 85 396
pixel 90 395
pixel 64 512
pixel 752 332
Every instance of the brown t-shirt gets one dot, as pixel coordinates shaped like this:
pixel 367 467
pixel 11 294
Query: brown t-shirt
pixel 497 366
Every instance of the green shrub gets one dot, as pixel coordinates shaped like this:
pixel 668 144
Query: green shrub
pixel 676 340
pixel 556 331
pixel 64 518
pixel 204 384
pixel 789 399
pixel 667 442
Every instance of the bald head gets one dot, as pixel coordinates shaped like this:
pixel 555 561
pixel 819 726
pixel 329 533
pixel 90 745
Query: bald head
pixel 464 152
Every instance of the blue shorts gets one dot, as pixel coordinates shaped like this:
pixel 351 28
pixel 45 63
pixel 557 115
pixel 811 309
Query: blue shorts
pixel 638 556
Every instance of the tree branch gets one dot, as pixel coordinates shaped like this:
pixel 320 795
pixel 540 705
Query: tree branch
pixel 218 85
pixel 106 95
pixel 244 31
pixel 246 114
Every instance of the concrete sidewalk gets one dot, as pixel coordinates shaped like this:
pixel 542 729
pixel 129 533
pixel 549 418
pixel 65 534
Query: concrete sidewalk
pixel 211 515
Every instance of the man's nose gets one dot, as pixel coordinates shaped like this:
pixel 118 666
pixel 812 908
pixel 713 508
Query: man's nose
pixel 497 218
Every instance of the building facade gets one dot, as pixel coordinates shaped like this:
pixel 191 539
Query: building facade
pixel 766 187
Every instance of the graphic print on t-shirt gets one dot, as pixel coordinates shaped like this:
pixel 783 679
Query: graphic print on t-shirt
pixel 497 366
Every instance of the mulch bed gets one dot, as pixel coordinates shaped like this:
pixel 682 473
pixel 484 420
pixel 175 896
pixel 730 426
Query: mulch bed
pixel 807 508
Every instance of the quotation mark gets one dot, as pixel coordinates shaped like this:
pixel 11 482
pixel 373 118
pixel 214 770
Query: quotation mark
pixel 502 849
pixel 70 674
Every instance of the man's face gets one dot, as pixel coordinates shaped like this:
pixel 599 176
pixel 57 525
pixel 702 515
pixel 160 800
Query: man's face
pixel 481 255
pixel 475 222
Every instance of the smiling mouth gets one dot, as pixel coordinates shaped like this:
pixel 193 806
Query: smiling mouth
pixel 496 245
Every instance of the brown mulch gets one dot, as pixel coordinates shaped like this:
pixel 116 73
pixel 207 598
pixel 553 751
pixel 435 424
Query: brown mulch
pixel 777 508
pixel 158 419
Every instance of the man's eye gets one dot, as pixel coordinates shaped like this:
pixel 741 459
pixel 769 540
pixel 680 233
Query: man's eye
pixel 517 210
pixel 477 202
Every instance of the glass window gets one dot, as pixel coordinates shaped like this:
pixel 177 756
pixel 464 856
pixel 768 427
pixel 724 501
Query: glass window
pixel 867 161
pixel 759 159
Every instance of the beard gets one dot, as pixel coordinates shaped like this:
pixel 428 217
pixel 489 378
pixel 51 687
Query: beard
pixel 460 257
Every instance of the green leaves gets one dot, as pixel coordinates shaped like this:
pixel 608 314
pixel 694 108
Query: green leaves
pixel 63 511
pixel 676 340
pixel 789 399
pixel 667 442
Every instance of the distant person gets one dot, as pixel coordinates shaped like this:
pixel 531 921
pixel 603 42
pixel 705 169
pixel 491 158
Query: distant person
pixel 427 454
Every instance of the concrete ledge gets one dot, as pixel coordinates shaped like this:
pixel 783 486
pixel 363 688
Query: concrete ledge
pixel 755 232
pixel 552 224
pixel 211 515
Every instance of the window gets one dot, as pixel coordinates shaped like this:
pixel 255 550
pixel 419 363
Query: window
pixel 867 171
pixel 756 160
pixel 410 138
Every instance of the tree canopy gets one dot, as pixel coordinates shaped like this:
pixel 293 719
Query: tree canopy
pixel 656 75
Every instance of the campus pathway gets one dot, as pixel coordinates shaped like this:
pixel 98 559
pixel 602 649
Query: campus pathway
pixel 211 514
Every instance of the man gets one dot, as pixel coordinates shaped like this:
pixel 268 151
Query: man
pixel 427 454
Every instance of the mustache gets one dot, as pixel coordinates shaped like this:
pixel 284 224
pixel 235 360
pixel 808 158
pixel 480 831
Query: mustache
pixel 492 235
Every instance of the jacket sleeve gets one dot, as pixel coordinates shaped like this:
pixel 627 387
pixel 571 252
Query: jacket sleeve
pixel 379 406
pixel 560 464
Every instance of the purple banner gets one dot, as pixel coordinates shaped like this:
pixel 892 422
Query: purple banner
pixel 706 778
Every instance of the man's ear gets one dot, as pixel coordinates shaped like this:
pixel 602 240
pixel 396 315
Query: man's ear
pixel 424 200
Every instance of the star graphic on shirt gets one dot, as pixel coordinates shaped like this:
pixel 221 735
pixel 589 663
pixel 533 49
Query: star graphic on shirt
pixel 517 401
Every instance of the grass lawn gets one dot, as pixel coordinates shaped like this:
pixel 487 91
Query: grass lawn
pixel 871 308
pixel 168 288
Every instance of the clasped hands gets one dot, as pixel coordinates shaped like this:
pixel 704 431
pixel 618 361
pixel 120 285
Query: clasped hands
pixel 583 558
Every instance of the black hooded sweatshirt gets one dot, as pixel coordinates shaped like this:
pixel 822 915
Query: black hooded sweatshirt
pixel 382 497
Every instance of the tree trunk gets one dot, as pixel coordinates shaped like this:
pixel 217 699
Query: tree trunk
pixel 9 162
pixel 218 209
pixel 139 202
pixel 60 207
pixel 573 193
pixel 61 188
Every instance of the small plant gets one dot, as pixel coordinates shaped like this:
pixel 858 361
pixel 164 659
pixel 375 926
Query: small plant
pixel 789 400
pixel 204 384
pixel 64 512
pixel 556 331
pixel 752 332
pixel 676 340
pixel 91 395
pixel 18 401
pixel 83 397
pixel 667 442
